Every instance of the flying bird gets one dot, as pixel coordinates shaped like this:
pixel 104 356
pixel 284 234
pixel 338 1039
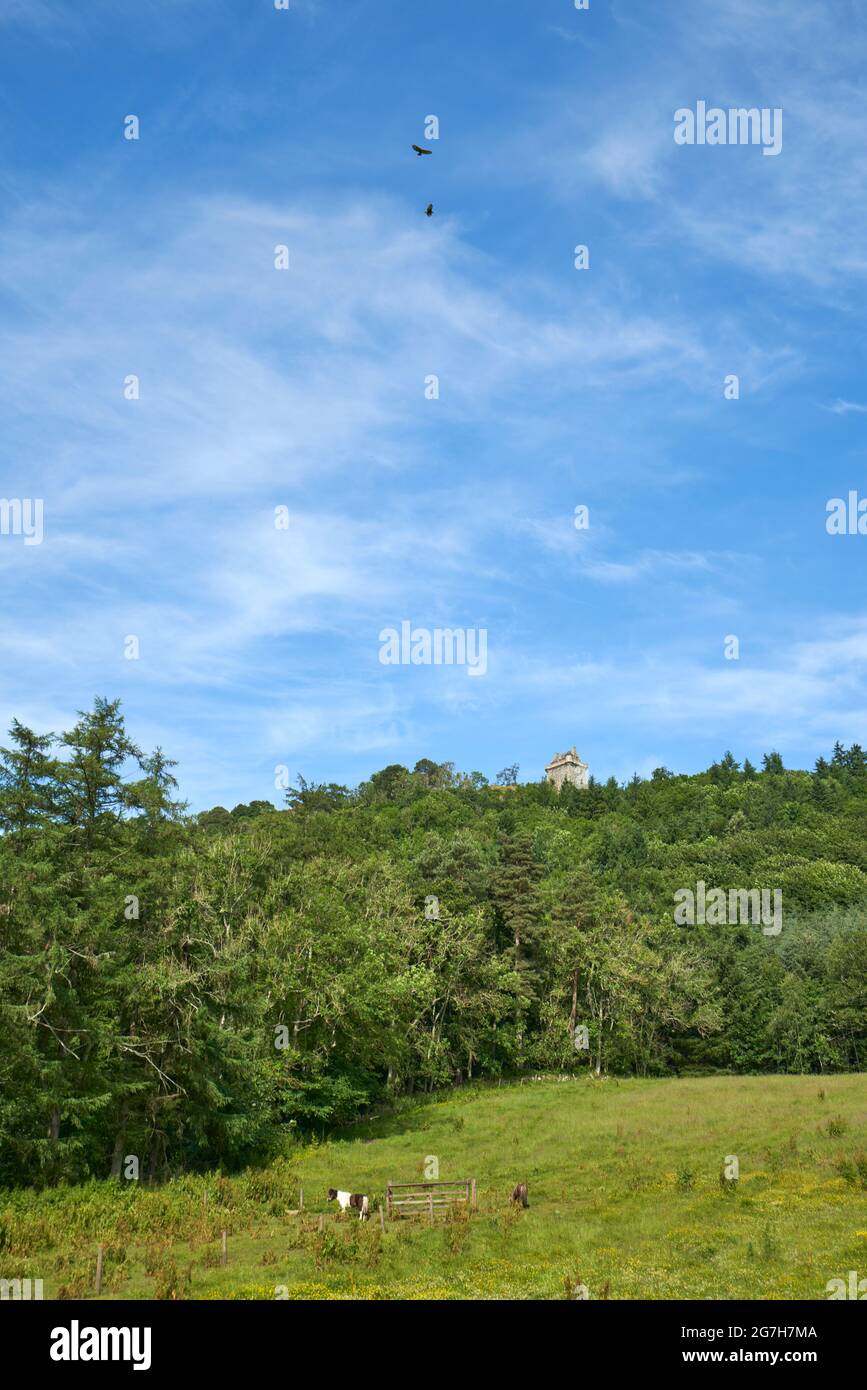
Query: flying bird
pixel 429 210
pixel 419 151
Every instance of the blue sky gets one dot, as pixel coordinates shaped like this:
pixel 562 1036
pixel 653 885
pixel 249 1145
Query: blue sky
pixel 305 388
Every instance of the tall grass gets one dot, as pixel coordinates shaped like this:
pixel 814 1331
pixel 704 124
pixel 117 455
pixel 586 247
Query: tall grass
pixel 625 1198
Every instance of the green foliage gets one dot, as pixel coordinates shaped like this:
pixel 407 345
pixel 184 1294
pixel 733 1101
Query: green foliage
pixel 186 991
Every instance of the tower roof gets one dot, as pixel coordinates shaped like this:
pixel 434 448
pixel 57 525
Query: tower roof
pixel 570 757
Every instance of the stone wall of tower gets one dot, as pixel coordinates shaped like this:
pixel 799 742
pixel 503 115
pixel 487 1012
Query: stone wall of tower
pixel 567 767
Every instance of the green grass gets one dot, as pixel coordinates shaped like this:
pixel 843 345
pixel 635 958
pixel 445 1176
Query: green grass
pixel 624 1179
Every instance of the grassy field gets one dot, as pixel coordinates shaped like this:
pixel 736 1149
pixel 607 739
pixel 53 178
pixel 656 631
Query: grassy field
pixel 624 1180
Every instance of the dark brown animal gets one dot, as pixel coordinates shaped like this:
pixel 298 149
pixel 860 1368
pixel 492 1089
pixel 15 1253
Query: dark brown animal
pixel 419 151
pixel 429 210
pixel 520 1194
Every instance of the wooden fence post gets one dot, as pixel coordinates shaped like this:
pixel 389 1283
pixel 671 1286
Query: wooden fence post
pixel 430 1200
pixel 381 1218
pixel 98 1286
pixel 321 1223
pixel 225 1256
pixel 473 1201
pixel 301 1199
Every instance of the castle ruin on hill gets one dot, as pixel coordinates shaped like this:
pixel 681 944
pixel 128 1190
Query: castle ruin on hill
pixel 567 767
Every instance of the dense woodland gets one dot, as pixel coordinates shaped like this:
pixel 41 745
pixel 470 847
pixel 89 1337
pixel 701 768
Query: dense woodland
pixel 191 989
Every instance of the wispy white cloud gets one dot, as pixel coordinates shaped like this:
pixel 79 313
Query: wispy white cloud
pixel 261 388
pixel 788 693
pixel 567 35
pixel 794 216
pixel 305 388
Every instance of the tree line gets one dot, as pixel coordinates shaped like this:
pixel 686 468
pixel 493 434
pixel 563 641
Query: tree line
pixel 189 989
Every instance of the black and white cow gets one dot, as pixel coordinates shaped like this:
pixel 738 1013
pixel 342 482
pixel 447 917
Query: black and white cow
pixel 356 1200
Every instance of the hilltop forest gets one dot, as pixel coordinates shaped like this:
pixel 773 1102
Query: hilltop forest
pixel 190 989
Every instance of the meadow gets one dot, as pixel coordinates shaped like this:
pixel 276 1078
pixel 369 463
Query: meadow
pixel 625 1188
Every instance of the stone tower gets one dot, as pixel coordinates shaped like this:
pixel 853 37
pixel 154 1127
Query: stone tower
pixel 567 767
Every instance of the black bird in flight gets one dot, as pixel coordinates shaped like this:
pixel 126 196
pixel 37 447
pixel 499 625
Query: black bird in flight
pixel 429 210
pixel 419 151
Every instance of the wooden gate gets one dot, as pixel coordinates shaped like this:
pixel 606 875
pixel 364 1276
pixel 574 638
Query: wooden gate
pixel 429 1198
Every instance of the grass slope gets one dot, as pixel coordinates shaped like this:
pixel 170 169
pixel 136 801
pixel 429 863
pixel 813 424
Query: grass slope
pixel 624 1190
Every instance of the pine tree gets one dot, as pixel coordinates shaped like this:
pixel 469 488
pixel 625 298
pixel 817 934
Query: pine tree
pixel 519 915
pixel 92 795
pixel 26 774
pixel 772 763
